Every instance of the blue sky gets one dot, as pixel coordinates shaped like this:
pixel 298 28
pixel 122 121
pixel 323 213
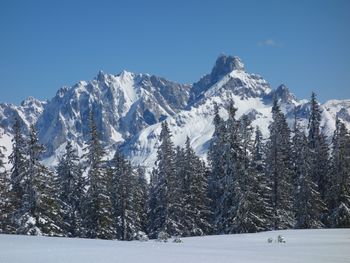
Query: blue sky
pixel 47 44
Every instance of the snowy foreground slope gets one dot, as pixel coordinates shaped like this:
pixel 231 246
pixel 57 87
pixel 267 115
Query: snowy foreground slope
pixel 325 245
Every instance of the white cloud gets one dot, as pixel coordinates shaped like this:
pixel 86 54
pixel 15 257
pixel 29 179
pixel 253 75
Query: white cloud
pixel 269 42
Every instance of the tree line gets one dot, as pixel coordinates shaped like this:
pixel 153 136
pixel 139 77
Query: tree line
pixel 292 179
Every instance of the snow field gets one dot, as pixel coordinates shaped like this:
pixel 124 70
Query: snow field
pixel 323 245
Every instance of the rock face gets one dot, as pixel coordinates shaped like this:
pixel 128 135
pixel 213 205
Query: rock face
pixel 128 109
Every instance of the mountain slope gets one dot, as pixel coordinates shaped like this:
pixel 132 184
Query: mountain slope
pixel 128 109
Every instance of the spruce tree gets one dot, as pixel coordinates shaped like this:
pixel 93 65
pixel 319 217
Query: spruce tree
pixel 318 148
pixel 196 209
pixel 260 183
pixel 126 198
pixel 339 193
pixel 308 202
pixel 253 210
pixel 97 208
pixel 6 207
pixel 223 162
pixel 251 207
pixel 19 162
pixel 279 170
pixel 39 213
pixel 70 190
pixel 167 202
pixel 217 173
pixel 230 182
pixel 140 198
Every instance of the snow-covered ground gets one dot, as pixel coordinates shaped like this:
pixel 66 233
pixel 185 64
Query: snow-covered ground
pixel 326 245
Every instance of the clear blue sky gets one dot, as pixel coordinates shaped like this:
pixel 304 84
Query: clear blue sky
pixel 47 44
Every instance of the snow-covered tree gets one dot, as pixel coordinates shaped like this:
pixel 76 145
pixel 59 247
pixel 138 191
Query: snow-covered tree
pixel 39 212
pixel 70 190
pixel 228 183
pixel 196 211
pixel 217 165
pixel 19 162
pixel 97 207
pixel 140 198
pixel 308 202
pixel 339 193
pixel 167 202
pixel 6 207
pixel 279 170
pixel 125 196
pixel 318 147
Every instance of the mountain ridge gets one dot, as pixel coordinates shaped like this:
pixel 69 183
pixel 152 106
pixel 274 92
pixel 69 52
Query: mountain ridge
pixel 129 108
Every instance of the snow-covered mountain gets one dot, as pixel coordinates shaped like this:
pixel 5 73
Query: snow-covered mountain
pixel 128 109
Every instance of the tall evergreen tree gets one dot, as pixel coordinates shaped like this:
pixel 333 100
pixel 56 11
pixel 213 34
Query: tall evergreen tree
pixel 5 197
pixel 227 206
pixel 39 213
pixel 279 170
pixel 339 194
pixel 308 202
pixel 97 208
pixel 167 203
pixel 251 206
pixel 18 159
pixel 70 190
pixel 141 196
pixel 216 162
pixel 125 198
pixel 196 210
pixel 261 184
pixel 318 148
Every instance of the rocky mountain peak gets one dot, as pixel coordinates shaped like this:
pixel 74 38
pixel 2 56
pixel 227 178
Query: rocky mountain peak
pixel 284 94
pixel 224 65
pixel 100 76
pixel 30 102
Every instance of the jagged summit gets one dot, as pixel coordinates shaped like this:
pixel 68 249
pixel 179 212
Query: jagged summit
pixel 224 65
pixel 30 101
pixel 284 94
pixel 100 75
pixel 229 73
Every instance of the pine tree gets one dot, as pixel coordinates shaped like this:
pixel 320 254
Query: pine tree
pixel 279 170
pixel 5 197
pixel 97 208
pixel 339 194
pixel 141 197
pixel 308 202
pixel 126 199
pixel 196 210
pixel 167 202
pixel 39 213
pixel 253 210
pixel 260 183
pixel 153 211
pixel 230 182
pixel 19 162
pixel 251 207
pixel 70 190
pixel 216 160
pixel 318 148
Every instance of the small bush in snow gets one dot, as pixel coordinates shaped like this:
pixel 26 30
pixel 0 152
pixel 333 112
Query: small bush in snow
pixel 177 240
pixel 163 236
pixel 141 236
pixel 269 240
pixel 281 239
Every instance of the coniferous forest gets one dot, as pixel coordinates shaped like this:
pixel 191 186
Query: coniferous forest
pixel 292 179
